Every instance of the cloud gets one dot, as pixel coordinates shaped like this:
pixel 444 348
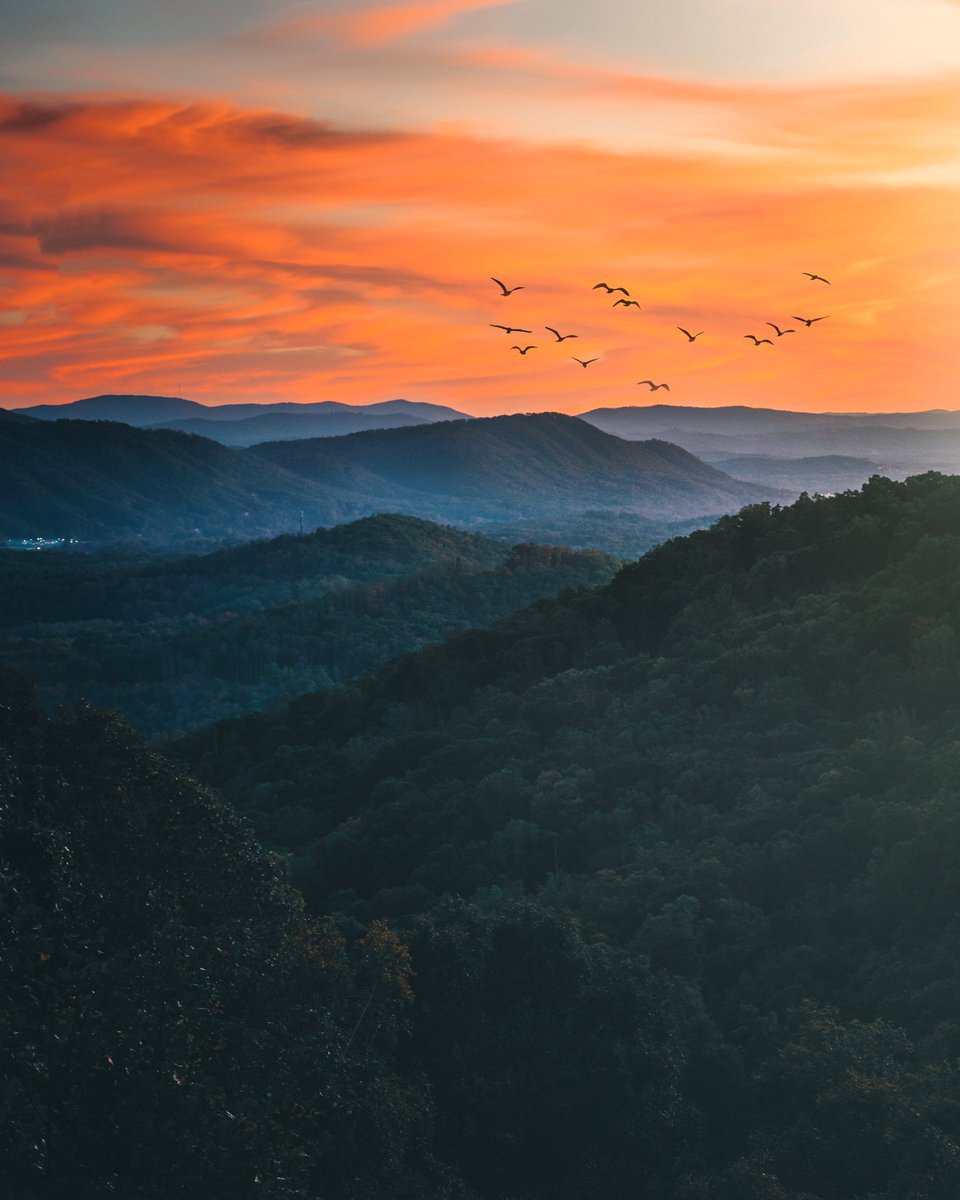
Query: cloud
pixel 260 254
pixel 371 26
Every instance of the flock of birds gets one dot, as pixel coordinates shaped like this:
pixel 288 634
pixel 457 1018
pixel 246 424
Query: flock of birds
pixel 627 302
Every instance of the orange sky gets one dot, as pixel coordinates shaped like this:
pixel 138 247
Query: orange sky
pixel 317 214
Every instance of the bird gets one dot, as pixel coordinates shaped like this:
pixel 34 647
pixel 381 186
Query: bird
pixel 523 349
pixel 808 321
pixel 691 337
pixel 780 332
pixel 654 387
pixel 504 289
pixel 757 341
pixel 509 328
pixel 561 337
pixel 609 288
pixel 584 362
pixel 626 303
pixel 813 278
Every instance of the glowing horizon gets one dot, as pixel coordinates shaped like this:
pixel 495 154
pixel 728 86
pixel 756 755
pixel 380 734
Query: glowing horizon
pixel 319 217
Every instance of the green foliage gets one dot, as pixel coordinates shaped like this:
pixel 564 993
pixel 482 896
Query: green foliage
pixel 171 1025
pixel 176 643
pixel 737 762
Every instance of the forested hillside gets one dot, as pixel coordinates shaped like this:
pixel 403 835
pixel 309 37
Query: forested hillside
pixel 102 481
pixel 171 1024
pixel 174 643
pixel 525 465
pixel 736 764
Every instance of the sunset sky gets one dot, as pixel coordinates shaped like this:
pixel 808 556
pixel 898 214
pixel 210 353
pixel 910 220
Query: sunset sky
pixel 242 200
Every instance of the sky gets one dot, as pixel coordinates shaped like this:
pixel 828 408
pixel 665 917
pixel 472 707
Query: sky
pixel 251 201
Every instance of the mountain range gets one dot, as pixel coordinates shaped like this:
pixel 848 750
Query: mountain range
pixel 244 424
pixel 522 465
pixel 894 444
pixel 101 480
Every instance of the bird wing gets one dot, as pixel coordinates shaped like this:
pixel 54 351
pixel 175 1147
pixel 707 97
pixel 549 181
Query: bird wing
pixel 624 290
pixel 505 328
pixel 665 385
pixel 642 381
pixel 603 285
pixel 686 331
pixel 550 329
pixel 503 287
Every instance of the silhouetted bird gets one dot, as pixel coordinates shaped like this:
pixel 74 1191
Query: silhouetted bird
pixel 780 332
pixel 510 329
pixel 813 278
pixel 757 341
pixel 561 337
pixel 808 321
pixel 654 387
pixel 626 303
pixel 691 337
pixel 610 289
pixel 524 349
pixel 584 362
pixel 504 289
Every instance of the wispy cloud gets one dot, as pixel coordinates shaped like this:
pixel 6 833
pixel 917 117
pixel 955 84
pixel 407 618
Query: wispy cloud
pixel 253 253
pixel 372 26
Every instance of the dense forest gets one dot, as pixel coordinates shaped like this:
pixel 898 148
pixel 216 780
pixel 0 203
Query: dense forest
pixel 173 643
pixel 648 890
pixel 733 766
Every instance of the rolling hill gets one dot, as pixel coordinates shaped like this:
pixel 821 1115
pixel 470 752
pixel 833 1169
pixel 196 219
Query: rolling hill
pixel 98 481
pixel 519 466
pixel 104 480
pixel 176 643
pixel 276 426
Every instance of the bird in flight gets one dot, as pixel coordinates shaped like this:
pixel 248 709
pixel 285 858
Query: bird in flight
pixel 523 349
pixel 626 303
pixel 757 341
pixel 691 337
pixel 504 289
pixel 813 278
pixel 584 362
pixel 610 289
pixel 780 332
pixel 808 321
pixel 509 328
pixel 561 337
pixel 654 387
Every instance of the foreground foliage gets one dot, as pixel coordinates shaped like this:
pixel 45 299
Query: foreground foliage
pixel 736 765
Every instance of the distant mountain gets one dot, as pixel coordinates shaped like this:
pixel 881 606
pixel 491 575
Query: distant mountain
pixel 104 480
pixel 824 474
pixel 145 411
pixel 279 427
pixel 100 481
pixel 518 466
pixel 899 443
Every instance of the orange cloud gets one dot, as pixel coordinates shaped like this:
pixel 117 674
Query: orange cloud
pixel 374 26
pixel 226 254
